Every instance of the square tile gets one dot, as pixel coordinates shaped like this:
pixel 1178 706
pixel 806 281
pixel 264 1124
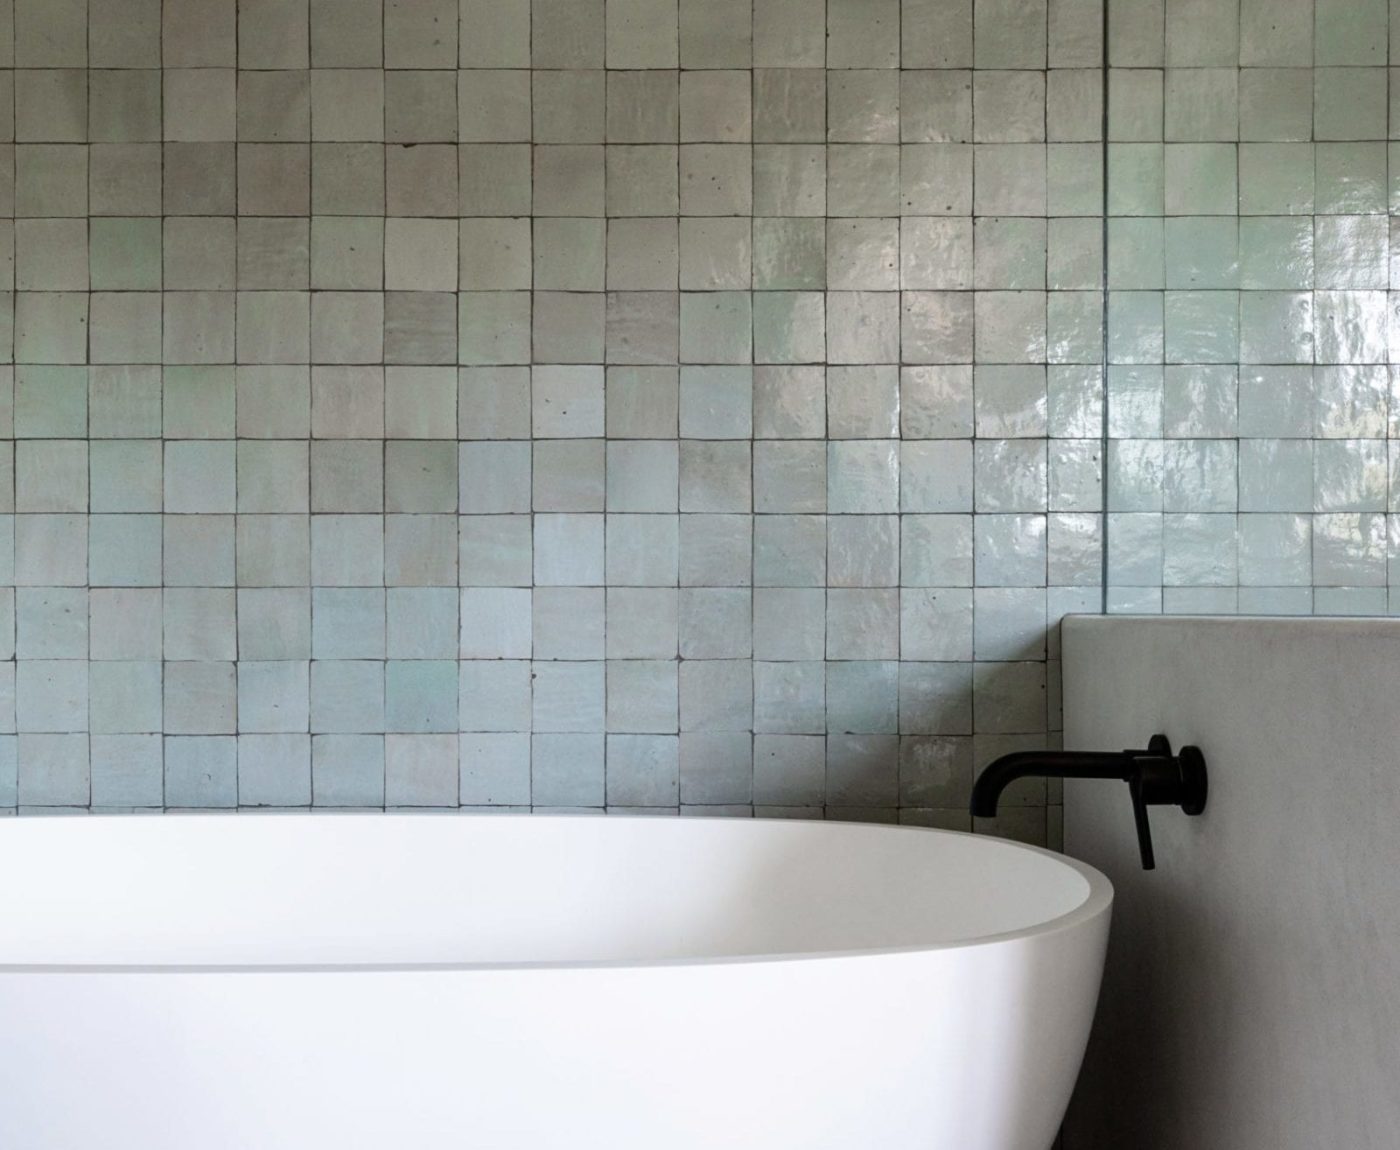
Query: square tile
pixel 716 550
pixel 789 105
pixel 198 550
pixel 421 770
pixel 347 179
pixel 200 698
pixel 422 107
pixel 273 697
pixel 421 35
pixel 420 255
pixel 716 107
pixel 347 697
pixel 495 696
pixel 420 476
pixel 496 623
pixel 347 104
pixel 568 107
pixel 494 35
pixel 569 327
pixel 274 179
pixel 1349 103
pixel 420 695
pixel 273 34
pixel 199 178
pixel 422 179
pixel 124 254
pixel 201 772
pixel 642 34
pixel 716 179
pixel 494 477
pixel 129 38
pixel 201 104
pixel 347 770
pixel 642 180
pixel 568 475
pixel 51 105
pixel 643 107
pixel 274 770
pixel 127 770
pixel 568 623
pixel 53 770
pixel 642 770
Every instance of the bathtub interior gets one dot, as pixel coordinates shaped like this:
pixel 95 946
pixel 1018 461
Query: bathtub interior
pixel 408 890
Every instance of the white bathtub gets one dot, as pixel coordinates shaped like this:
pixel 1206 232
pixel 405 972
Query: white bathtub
pixel 531 983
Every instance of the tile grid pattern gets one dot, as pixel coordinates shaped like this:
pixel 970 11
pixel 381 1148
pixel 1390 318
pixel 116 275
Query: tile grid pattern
pixel 629 403
pixel 1253 405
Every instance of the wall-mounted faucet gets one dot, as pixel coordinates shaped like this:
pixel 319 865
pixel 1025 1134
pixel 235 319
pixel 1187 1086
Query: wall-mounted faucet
pixel 1155 777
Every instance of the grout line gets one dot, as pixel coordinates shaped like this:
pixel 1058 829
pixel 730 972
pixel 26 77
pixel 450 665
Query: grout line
pixel 384 405
pixel 753 474
pixel 1103 289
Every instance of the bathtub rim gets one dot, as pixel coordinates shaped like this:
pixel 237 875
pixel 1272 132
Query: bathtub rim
pixel 1098 902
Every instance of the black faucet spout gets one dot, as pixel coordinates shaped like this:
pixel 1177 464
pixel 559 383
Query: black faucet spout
pixel 1155 777
pixel 997 776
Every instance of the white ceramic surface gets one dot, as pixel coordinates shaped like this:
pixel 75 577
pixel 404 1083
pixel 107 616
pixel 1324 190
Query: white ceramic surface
pixel 410 982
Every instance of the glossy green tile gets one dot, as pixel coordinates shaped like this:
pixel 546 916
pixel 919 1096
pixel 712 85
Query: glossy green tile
pixel 1276 327
pixel 1275 103
pixel 1351 32
pixel 1350 178
pixel 1202 327
pixel 1074 180
pixel 1349 103
pixel 1276 33
pixel 1202 33
pixel 1136 258
pixel 1074 104
pixel 1202 252
pixel 1135 327
pixel 1009 33
pixel 1201 179
pixel 1276 179
pixel 1137 34
pixel 1202 104
pixel 1136 179
pixel 1135 104
pixel 935 106
pixel 1276 252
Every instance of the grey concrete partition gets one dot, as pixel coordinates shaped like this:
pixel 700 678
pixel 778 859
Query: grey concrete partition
pixel 1252 994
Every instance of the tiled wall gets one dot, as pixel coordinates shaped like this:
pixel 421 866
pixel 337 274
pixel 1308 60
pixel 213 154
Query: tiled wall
pixel 1255 419
pixel 575 403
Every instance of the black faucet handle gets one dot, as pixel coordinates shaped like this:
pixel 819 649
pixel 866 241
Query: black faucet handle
pixel 1156 777
pixel 1144 827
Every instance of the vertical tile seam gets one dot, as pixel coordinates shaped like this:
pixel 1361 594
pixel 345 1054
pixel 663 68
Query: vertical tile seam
pixel 310 402
pixel 898 414
pixel 87 406
pixel 1103 289
pixel 680 443
pixel 826 399
pixel 972 381
pixel 456 734
pixel 160 62
pixel 1235 536
pixel 237 226
pixel 534 435
pixel 753 453
pixel 384 409
pixel 529 733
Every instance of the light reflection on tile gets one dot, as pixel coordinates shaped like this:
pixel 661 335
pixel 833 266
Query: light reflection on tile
pixel 765 332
